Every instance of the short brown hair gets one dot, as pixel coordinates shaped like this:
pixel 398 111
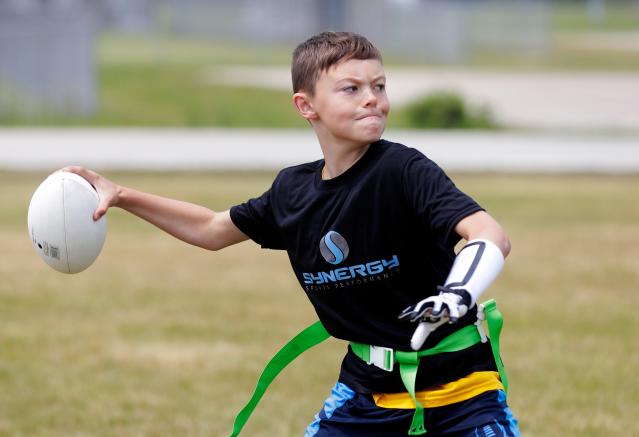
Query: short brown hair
pixel 322 51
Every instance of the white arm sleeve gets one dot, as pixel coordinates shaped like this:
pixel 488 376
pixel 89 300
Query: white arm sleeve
pixel 476 266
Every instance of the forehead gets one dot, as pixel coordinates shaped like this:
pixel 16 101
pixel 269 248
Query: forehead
pixel 364 69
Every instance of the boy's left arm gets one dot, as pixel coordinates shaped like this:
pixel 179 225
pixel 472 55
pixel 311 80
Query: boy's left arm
pixel 481 225
pixel 476 266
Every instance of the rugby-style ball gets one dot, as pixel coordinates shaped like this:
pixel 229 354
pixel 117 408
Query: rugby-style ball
pixel 61 225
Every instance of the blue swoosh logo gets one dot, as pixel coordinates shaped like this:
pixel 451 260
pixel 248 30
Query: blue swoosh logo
pixel 336 251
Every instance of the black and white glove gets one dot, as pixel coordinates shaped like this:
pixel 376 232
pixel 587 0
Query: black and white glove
pixel 450 304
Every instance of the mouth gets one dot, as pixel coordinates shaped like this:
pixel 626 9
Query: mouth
pixel 370 116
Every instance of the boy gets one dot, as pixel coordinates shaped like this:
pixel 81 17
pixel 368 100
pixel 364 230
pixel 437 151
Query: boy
pixel 370 232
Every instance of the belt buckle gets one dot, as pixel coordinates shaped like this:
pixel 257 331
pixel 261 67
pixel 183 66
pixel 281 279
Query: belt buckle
pixel 382 357
pixel 481 316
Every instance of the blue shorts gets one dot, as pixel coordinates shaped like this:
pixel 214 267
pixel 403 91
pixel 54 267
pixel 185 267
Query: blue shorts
pixel 350 414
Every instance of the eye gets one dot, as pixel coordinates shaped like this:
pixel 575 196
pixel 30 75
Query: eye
pixel 380 86
pixel 350 89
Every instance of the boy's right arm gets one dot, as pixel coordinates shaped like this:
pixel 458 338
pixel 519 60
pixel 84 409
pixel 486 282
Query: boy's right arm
pixel 188 222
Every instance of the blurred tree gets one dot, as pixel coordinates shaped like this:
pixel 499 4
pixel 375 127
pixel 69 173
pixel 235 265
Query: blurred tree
pixel 447 110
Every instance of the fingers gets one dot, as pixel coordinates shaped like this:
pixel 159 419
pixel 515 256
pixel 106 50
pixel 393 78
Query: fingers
pixel 434 308
pixel 439 307
pixel 418 311
pixel 450 303
pixel 422 332
pixel 407 313
pixel 430 309
pixel 420 335
pixel 432 312
pixel 453 313
pixel 443 309
pixel 87 174
pixel 107 190
pixel 101 210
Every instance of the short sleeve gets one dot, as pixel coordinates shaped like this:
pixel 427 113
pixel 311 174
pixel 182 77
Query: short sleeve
pixel 257 220
pixel 435 199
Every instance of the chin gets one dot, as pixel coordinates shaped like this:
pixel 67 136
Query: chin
pixel 364 141
pixel 373 135
pixel 365 136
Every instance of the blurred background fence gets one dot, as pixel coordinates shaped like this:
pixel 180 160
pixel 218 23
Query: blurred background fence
pixel 436 30
pixel 47 57
pixel 48 48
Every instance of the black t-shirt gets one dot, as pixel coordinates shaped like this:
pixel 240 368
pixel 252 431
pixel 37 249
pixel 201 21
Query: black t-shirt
pixel 364 246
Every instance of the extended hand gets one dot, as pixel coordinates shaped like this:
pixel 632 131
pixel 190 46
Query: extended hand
pixel 434 311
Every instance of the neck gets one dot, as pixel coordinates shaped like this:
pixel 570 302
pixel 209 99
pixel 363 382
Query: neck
pixel 339 155
pixel 337 160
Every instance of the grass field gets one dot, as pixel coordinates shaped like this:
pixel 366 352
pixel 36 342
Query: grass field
pixel 160 338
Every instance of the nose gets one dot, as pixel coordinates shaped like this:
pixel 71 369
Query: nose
pixel 370 98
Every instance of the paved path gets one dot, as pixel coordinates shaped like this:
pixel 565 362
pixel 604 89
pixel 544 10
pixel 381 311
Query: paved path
pixel 575 100
pixel 166 149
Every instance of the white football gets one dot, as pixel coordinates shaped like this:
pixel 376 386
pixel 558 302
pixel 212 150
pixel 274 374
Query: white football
pixel 61 225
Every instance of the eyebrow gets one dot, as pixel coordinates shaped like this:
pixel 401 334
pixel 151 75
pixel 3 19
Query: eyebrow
pixel 358 80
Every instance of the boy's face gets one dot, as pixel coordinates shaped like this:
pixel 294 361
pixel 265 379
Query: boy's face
pixel 350 105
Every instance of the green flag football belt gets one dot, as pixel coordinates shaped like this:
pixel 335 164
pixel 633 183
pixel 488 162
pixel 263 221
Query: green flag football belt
pixel 385 358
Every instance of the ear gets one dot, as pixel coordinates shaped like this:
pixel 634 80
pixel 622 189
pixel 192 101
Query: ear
pixel 304 105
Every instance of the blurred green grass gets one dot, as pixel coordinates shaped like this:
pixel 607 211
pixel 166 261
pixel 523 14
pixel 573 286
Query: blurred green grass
pixel 175 96
pixel 619 15
pixel 160 338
